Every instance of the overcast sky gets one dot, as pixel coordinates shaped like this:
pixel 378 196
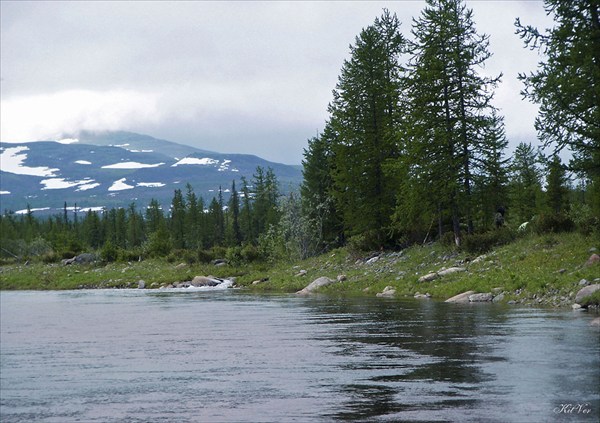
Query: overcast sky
pixel 243 77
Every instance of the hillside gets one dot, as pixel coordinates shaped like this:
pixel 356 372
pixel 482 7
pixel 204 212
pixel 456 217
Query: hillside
pixel 114 169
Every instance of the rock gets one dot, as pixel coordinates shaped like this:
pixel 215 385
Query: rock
pixel 429 277
pixel 595 322
pixel 67 262
pixel 387 292
pixel 181 266
pixel 301 273
pixel 498 298
pixel 219 262
pixel 497 290
pixel 204 281
pixel 575 306
pixel 372 260
pixel 586 291
pixel 316 284
pixel 154 285
pixel 584 282
pixel 85 258
pixel 594 258
pixel 141 284
pixel 479 259
pixel 451 270
pixel 419 296
pixel 460 298
pixel 481 298
pixel 259 281
pixel 341 278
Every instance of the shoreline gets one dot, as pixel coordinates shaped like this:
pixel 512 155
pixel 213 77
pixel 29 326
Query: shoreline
pixel 536 270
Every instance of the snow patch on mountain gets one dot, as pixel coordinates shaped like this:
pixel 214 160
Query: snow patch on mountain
pixel 83 162
pixel 25 211
pixel 120 185
pixel 68 141
pixel 62 183
pixel 12 159
pixel 205 161
pixel 4 192
pixel 131 165
pixel 150 184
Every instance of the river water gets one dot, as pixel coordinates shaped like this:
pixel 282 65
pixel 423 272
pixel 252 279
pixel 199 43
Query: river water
pixel 232 356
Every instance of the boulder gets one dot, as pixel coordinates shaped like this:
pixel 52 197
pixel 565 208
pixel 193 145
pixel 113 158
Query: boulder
pixel 373 260
pixel 341 278
pixel 67 262
pixel 388 292
pixel 586 291
pixel 481 298
pixel 460 298
pixel 420 296
pixel 219 262
pixel 429 277
pixel 85 258
pixel 141 284
pixel 204 281
pixel 259 281
pixel 594 258
pixel 498 298
pixel 301 273
pixel 595 322
pixel 181 266
pixel 316 284
pixel 479 259
pixel 450 271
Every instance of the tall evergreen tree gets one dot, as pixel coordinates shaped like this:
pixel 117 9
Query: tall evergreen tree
pixel 557 190
pixel 567 84
pixel 364 115
pixel 525 187
pixel 451 113
pixel 178 220
pixel 234 211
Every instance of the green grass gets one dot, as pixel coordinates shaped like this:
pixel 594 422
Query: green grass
pixel 543 270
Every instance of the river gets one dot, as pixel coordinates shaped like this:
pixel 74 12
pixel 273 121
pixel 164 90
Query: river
pixel 232 356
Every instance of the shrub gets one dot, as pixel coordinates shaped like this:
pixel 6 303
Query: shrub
pixel 555 222
pixel 584 219
pixel 250 253
pixel 204 256
pixel 482 242
pixel 367 241
pixel 109 252
pixel 131 254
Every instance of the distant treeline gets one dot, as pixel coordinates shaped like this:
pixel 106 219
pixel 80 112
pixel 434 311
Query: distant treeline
pixel 413 151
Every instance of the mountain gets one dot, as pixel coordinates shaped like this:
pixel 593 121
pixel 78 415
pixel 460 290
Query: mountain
pixel 114 169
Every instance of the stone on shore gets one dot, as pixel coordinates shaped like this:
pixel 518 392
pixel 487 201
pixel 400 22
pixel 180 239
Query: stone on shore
pixel 429 277
pixel 481 298
pixel 141 284
pixel 387 292
pixel 594 258
pixel 586 292
pixel 460 298
pixel 316 284
pixel 204 281
pixel 595 322
pixel 451 270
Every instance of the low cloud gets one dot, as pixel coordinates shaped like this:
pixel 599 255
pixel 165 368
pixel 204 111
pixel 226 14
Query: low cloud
pixel 48 116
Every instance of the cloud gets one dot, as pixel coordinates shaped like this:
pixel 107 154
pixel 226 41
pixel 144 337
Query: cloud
pixel 47 116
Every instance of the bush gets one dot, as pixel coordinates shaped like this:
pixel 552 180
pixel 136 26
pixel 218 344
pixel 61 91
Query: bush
pixel 367 241
pixel 584 219
pixel 109 252
pixel 204 256
pixel 133 254
pixel 555 223
pixel 250 253
pixel 483 242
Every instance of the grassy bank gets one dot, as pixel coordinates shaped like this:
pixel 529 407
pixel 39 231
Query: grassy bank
pixel 537 269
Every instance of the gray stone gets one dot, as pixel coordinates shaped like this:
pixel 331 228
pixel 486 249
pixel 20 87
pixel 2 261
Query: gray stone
pixel 479 259
pixel 584 282
pixel 316 284
pixel 205 281
pixel 481 298
pixel 498 298
pixel 460 298
pixel 429 277
pixel 85 258
pixel 585 292
pixel 387 292
pixel 419 296
pixel 341 278
pixel 595 322
pixel 301 273
pixel 373 260
pixel 259 281
pixel 451 270
pixel 141 284
pixel 576 307
pixel 181 266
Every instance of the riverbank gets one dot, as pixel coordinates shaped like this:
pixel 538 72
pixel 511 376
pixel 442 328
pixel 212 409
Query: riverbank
pixel 546 270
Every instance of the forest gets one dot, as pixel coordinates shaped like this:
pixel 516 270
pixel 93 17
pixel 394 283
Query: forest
pixel 413 151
